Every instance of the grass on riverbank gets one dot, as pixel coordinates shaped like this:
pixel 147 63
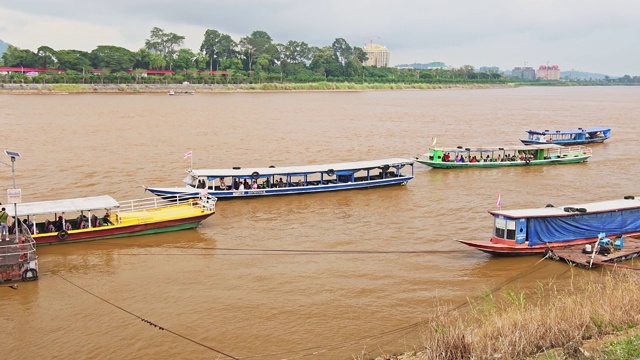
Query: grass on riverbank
pixel 551 322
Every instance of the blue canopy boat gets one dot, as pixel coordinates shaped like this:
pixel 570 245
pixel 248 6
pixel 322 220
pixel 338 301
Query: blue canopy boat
pixel 577 136
pixel 535 231
pixel 251 182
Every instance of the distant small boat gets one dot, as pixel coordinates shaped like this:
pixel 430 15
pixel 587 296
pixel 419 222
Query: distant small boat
pixel 173 92
pixel 577 136
pixel 492 157
pixel 254 182
pixel 538 230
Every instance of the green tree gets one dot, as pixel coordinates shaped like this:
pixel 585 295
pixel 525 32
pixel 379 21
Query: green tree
pixel 46 57
pixel 184 60
pixel 112 57
pixel 253 46
pixel 343 51
pixel 15 57
pixel 325 62
pixel 75 60
pixel 217 46
pixel 163 43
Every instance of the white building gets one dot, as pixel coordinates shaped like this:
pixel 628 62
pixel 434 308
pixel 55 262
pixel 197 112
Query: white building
pixel 378 55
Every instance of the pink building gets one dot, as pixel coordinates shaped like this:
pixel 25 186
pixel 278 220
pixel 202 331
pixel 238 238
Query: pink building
pixel 548 72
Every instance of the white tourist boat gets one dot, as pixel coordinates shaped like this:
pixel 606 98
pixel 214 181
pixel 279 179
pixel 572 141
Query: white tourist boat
pixel 240 182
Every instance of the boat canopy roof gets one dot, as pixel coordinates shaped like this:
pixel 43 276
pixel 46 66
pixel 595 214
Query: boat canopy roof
pixel 571 131
pixel 66 205
pixel 499 148
pixel 594 207
pixel 301 170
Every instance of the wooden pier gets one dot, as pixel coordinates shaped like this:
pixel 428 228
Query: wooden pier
pixel 596 257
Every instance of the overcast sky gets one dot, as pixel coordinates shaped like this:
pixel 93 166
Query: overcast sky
pixel 588 35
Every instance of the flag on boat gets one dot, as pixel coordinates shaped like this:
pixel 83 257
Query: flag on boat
pixel 433 143
pixel 499 201
pixel 187 154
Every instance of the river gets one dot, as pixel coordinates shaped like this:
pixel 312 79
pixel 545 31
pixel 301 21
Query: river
pixel 362 269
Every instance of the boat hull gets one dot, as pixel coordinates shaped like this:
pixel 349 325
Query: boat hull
pixel 118 231
pixel 512 249
pixel 235 194
pixel 484 165
pixel 564 143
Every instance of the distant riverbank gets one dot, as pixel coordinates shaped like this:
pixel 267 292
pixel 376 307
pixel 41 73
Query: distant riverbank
pixel 42 89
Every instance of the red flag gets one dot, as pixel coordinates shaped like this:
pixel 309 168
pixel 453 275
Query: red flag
pixel 187 154
pixel 499 201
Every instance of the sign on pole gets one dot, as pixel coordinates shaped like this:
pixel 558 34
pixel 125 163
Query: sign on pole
pixel 14 196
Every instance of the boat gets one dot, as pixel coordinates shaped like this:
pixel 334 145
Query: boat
pixel 240 182
pixel 18 260
pixel 579 136
pixel 102 217
pixel 538 230
pixel 173 92
pixel 491 157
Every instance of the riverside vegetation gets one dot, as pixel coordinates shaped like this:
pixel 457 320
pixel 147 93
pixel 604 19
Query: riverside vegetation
pixel 593 317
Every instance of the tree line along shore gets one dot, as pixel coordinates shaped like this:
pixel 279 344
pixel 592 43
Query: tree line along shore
pixel 205 88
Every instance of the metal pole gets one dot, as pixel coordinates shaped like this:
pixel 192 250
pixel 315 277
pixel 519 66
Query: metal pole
pixel 15 205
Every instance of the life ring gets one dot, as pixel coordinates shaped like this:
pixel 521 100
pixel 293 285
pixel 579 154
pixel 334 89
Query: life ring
pixel 331 172
pixel 569 209
pixel 63 234
pixel 527 161
pixel 255 175
pixel 236 168
pixel 629 197
pixel 581 210
pixel 30 275
pixel 549 205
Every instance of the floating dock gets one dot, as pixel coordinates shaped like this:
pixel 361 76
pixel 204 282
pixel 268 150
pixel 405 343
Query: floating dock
pixel 592 256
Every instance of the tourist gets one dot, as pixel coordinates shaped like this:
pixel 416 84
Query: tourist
pixel 4 229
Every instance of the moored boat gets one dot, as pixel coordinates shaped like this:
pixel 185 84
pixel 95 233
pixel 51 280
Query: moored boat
pixel 537 230
pixel 579 136
pixel 82 219
pixel 491 157
pixel 252 182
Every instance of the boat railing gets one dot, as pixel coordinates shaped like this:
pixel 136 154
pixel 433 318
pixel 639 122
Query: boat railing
pixel 576 150
pixel 24 250
pixel 205 202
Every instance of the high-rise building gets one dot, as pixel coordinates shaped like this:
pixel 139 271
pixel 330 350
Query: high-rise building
pixel 548 72
pixel 378 55
pixel 524 73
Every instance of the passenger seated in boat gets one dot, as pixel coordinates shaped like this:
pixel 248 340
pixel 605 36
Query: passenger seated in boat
pixel 499 159
pixel 201 184
pixel 49 226
pixel 223 185
pixel 447 157
pixel 473 159
pixel 29 225
pixel 280 183
pixel 461 158
pixel 254 186
pixel 299 182
pixel 457 158
pixel 82 222
pixel 95 222
pixel 107 217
